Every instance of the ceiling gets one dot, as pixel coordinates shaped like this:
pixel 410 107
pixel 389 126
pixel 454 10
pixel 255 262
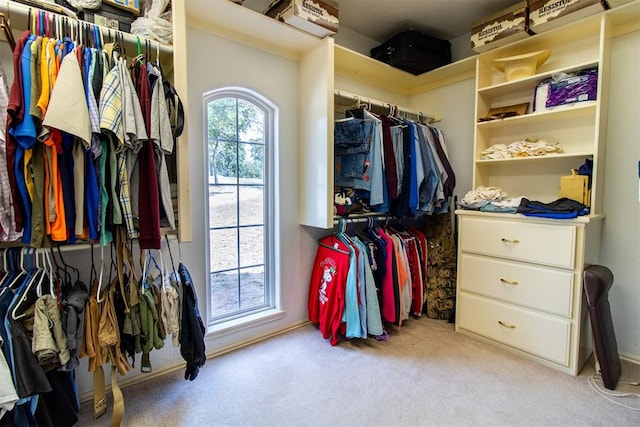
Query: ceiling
pixel 382 19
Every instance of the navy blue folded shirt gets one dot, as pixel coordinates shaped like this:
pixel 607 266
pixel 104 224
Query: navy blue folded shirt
pixel 562 208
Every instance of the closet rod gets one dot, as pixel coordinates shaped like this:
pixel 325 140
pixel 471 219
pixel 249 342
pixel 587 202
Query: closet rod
pixel 348 96
pixel 19 15
pixel 364 218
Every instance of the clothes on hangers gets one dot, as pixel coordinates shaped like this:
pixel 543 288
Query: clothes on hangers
pixel 83 139
pixel 361 281
pixel 48 320
pixel 390 165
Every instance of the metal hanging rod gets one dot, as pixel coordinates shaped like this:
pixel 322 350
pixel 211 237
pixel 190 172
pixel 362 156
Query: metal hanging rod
pixel 384 107
pixel 363 218
pixel 18 13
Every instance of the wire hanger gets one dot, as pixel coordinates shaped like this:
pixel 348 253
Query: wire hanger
pixel 19 277
pixel 26 288
pixel 170 253
pixel 101 275
pixel 5 23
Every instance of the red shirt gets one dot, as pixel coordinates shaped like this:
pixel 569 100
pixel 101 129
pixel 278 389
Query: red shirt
pixel 148 199
pixel 327 285
pixel 15 114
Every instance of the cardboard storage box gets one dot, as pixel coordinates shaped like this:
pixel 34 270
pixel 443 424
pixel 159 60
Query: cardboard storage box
pixel 547 14
pixel 132 6
pixel 575 187
pixel 318 17
pixel 500 28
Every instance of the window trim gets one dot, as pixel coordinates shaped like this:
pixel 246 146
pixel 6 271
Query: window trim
pixel 271 226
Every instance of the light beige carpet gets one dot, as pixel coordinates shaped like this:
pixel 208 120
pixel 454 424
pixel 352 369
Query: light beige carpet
pixel 426 374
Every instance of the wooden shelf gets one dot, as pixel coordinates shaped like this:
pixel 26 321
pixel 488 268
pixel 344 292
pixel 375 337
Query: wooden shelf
pixel 505 88
pixel 580 109
pixel 238 23
pixel 363 68
pixel 545 158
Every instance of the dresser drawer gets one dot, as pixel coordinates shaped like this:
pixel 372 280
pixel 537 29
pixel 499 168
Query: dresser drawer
pixel 535 333
pixel 540 288
pixel 520 240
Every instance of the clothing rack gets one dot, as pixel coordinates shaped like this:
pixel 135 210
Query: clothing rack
pixel 18 14
pixel 348 99
pixel 363 218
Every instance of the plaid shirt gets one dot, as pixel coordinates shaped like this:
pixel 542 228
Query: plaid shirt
pixel 7 213
pixel 111 105
pixel 124 196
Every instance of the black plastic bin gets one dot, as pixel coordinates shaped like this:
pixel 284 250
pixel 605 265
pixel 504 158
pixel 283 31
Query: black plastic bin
pixel 414 52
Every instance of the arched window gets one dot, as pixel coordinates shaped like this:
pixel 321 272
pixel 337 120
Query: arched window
pixel 240 141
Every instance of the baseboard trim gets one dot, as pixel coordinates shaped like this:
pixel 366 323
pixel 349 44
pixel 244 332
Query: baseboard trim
pixel 124 383
pixel 630 358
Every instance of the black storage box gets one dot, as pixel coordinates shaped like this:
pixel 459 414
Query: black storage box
pixel 414 52
pixel 110 17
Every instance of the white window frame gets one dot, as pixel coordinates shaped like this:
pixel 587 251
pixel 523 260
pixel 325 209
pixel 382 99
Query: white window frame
pixel 271 311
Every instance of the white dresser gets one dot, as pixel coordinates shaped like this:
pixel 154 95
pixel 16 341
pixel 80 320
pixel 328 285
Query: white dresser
pixel 520 284
pixel 519 281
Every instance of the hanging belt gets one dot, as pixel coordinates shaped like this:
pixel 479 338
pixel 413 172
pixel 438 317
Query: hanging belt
pixel 99 394
pixel 100 398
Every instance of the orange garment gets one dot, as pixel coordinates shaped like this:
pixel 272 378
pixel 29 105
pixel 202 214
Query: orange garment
pixel 47 185
pixel 58 226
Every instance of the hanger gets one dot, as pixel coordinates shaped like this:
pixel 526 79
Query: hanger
pixel 5 23
pixel 5 266
pixel 333 248
pixel 101 274
pixel 121 46
pixel 61 279
pixel 72 268
pixel 147 268
pixel 8 262
pixel 20 276
pixel 33 276
pixel 170 253
pixel 45 272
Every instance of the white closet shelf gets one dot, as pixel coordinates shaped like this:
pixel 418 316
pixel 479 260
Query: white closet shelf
pixel 241 24
pixel 545 158
pixel 363 68
pixel 506 88
pixel 580 109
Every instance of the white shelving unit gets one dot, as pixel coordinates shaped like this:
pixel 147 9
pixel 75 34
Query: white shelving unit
pixel 520 278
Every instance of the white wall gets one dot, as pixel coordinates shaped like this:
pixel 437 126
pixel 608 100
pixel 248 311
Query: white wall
pixel 355 41
pixel 456 105
pixel 215 62
pixel 620 250
pixel 461 47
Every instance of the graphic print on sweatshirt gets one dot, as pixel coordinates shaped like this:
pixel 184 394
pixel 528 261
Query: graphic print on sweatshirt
pixel 328 266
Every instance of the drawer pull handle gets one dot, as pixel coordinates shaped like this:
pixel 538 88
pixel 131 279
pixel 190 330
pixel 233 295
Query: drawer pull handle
pixel 514 241
pixel 507 325
pixel 509 282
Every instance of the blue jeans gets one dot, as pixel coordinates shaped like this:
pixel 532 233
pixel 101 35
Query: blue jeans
pixel 352 152
pixel 351 136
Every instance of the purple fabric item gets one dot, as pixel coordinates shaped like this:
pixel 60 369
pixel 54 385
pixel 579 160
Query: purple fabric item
pixel 583 87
